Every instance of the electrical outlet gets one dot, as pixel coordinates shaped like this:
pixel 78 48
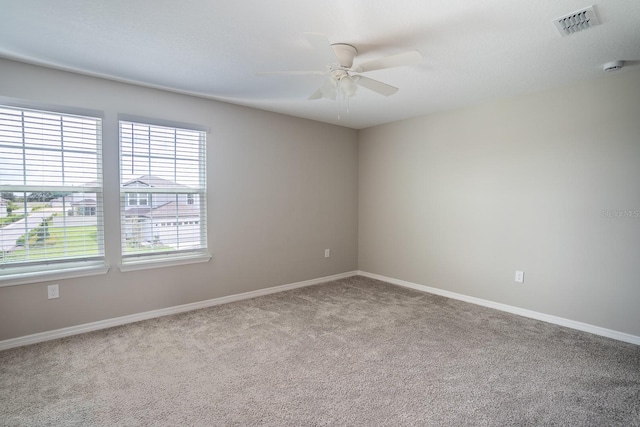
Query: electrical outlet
pixel 53 291
pixel 519 276
pixel 327 253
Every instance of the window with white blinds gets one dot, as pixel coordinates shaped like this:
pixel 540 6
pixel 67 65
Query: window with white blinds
pixel 50 191
pixel 162 192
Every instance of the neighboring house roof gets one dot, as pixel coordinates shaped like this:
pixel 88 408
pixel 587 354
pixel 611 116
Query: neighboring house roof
pixel 137 211
pixel 153 181
pixel 168 210
pixel 173 209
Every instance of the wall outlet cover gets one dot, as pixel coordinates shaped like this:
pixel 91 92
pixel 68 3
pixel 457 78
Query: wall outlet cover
pixel 519 276
pixel 53 291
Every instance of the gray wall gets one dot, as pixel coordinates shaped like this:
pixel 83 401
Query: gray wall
pixel 459 201
pixel 280 189
pixel 456 201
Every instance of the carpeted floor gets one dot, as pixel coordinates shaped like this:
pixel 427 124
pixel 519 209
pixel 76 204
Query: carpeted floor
pixel 351 352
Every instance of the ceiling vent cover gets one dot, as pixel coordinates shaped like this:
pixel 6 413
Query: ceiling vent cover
pixel 576 21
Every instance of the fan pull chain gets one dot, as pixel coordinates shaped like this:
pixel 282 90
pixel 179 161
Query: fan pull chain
pixel 340 95
pixel 342 98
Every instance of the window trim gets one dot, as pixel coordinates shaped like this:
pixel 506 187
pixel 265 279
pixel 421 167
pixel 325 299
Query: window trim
pixel 60 269
pixel 170 258
pixel 161 122
pixel 158 261
pixel 52 108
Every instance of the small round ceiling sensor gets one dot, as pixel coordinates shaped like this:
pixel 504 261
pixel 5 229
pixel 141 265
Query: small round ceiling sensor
pixel 613 66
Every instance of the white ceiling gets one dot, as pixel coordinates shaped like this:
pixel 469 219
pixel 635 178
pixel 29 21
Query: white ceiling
pixel 474 51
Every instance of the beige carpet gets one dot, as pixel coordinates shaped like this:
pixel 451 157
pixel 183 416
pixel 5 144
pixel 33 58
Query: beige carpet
pixel 350 352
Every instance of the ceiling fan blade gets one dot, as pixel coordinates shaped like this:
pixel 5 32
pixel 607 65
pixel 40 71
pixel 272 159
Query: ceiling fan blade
pixel 290 73
pixel 321 43
pixel 315 95
pixel 399 60
pixel 375 85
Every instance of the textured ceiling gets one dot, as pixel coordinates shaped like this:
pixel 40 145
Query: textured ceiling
pixel 473 51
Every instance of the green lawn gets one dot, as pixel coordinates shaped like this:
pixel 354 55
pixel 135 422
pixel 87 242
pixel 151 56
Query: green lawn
pixel 76 241
pixel 10 219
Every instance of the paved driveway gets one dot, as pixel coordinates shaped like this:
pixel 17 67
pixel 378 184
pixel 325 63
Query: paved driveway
pixel 10 233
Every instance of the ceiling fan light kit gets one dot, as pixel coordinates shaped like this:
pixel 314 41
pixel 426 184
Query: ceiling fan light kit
pixel 343 85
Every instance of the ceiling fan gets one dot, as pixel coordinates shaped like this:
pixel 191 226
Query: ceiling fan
pixel 342 77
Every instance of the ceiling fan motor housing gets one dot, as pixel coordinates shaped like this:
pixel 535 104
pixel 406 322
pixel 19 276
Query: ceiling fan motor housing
pixel 345 54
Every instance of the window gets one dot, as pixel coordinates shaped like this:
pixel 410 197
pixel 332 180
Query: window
pixel 134 199
pixel 51 192
pixel 168 220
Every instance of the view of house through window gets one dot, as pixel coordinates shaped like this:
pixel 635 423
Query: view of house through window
pixel 51 204
pixel 163 188
pixel 50 189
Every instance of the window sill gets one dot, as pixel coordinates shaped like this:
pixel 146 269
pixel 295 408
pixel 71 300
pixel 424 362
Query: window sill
pixel 163 261
pixel 68 271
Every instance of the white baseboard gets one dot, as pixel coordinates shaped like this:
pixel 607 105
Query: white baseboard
pixel 117 321
pixel 585 327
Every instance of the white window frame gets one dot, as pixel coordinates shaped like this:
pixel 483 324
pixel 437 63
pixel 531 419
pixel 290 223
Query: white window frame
pixel 130 262
pixel 71 267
